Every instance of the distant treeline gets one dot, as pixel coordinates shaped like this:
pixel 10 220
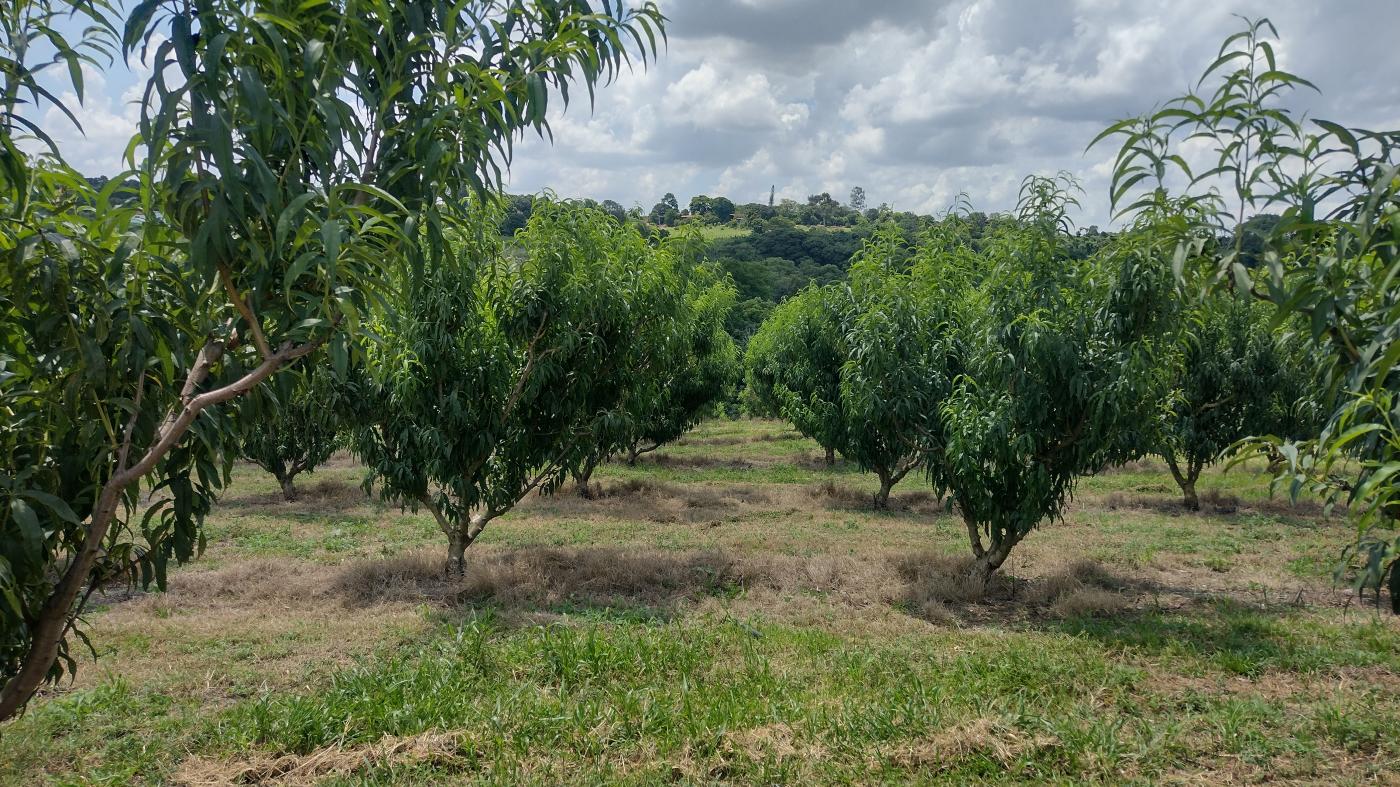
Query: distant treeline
pixel 774 251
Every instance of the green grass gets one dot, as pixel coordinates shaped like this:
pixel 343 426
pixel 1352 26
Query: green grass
pixel 1223 652
pixel 714 232
pixel 599 700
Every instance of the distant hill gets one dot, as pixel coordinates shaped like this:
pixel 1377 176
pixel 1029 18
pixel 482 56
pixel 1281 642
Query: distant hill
pixel 772 252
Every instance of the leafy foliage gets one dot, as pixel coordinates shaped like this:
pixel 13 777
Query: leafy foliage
pixel 288 151
pixel 292 424
pixel 863 367
pixel 1329 259
pixel 1233 378
pixel 498 372
pixel 29 29
pixel 903 356
pixel 793 366
pixel 1060 379
pixel 683 383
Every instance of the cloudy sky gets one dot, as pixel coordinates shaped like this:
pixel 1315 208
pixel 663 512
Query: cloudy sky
pixel 914 100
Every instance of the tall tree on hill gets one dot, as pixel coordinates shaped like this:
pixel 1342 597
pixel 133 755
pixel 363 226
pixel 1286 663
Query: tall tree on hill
pixel 857 201
pixel 666 212
pixel 615 210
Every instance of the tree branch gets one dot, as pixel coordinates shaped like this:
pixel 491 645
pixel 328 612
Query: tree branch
pixel 428 503
pixel 259 340
pixel 130 431
pixel 178 421
pixel 974 536
pixel 55 616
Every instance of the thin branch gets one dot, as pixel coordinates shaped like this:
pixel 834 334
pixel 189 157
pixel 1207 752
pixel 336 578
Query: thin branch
pixel 428 503
pixel 974 536
pixel 131 424
pixel 639 451
pixel 259 340
pixel 178 421
pixel 524 377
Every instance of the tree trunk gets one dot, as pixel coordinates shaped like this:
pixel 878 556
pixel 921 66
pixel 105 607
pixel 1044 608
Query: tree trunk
pixel 1189 497
pixel 637 450
pixel 456 553
pixel 55 616
pixel 986 559
pixel 882 497
pixel 461 535
pixel 1187 481
pixel 830 457
pixel 289 492
pixel 583 482
pixel 986 564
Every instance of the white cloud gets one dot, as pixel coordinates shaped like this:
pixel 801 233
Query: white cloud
pixel 106 125
pixel 914 100
pixel 708 100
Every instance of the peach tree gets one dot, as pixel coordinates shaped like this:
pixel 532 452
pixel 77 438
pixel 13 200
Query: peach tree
pixel 497 371
pixel 1232 377
pixel 290 158
pixel 1061 375
pixel 863 367
pixel 793 366
pixel 1329 262
pixel 291 423
pixel 903 356
pixel 703 370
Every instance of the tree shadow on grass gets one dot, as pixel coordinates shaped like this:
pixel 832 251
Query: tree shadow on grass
pixel 1237 637
pixel 323 496
pixel 1215 502
pixel 650 583
pixel 655 582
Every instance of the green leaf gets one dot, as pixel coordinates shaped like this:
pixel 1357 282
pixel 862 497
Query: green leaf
pixel 28 523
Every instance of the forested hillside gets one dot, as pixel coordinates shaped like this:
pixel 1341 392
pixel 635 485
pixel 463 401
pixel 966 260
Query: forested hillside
pixel 773 251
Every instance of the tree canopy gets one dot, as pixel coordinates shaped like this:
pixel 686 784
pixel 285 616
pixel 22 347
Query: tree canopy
pixel 1327 257
pixel 498 372
pixel 292 156
pixel 1231 377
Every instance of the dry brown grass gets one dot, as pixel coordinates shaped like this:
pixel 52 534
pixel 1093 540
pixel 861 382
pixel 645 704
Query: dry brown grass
pixel 320 494
pixel 1214 502
pixel 1088 602
pixel 403 578
pixel 659 502
pixel 931 586
pixel 779 741
pixel 1144 465
pixel 693 461
pixel 944 750
pixel 216 632
pixel 441 750
pixel 822 588
pixel 834 496
pixel 944 579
